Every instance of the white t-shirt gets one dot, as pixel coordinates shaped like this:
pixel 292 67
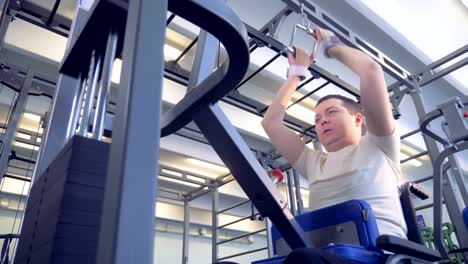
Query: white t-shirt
pixel 367 171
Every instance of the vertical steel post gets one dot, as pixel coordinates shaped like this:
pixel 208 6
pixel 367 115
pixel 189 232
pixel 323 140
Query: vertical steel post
pixel 128 216
pixel 186 232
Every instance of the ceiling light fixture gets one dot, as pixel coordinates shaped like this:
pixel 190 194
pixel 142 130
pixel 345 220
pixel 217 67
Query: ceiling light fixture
pixel 207 165
pixel 32 117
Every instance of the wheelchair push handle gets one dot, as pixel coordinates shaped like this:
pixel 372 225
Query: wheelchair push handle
pixel 418 191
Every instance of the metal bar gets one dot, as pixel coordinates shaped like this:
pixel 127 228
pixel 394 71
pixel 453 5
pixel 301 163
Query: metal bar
pixel 193 197
pixel 95 67
pixel 292 201
pixel 422 207
pixel 127 231
pixel 104 88
pixel 164 167
pixel 170 198
pixel 7 175
pixel 171 191
pixel 253 47
pixel 248 172
pixel 13 123
pixel 186 50
pixel 186 233
pixel 214 225
pixel 241 236
pixel 243 253
pixel 446 59
pixel 233 206
pixel 410 133
pixel 322 19
pixel 442 73
pixel 427 178
pixel 300 204
pixel 308 94
pixel 238 220
pixel 459 178
pixel 424 153
pixel 258 70
pixel 3 236
pixel 167 175
pixel 42 25
pixel 304 83
pixel 23 159
pixel 53 12
pixel 169 20
pixel 268 237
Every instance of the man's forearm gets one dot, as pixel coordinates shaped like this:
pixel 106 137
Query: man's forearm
pixel 281 100
pixel 356 60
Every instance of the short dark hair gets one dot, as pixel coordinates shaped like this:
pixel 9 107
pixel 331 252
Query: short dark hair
pixel 352 106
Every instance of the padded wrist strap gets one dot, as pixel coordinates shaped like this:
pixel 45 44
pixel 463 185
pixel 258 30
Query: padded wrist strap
pixel 297 70
pixel 328 43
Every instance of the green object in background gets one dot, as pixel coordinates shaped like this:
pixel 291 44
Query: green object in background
pixel 447 231
pixel 427 234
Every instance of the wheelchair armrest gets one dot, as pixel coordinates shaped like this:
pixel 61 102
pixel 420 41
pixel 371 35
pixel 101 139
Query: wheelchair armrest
pixel 403 246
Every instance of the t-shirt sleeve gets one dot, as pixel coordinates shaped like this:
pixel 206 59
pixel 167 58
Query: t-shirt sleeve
pixel 308 158
pixel 390 144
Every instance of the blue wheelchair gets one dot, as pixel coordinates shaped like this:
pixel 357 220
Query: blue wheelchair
pixel 350 230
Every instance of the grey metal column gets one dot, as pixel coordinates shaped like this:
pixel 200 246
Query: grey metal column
pixel 297 183
pixel 292 201
pixel 102 99
pixel 93 76
pixel 186 233
pixel 13 123
pixel 451 201
pixel 214 225
pixel 268 226
pixel 128 216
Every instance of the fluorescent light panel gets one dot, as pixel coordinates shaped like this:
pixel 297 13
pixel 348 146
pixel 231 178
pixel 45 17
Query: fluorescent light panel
pixel 178 181
pixel 32 117
pixel 26 146
pixel 207 165
pixel 23 136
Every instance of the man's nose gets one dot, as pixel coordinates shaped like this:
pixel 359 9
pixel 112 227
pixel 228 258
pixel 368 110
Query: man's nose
pixel 324 121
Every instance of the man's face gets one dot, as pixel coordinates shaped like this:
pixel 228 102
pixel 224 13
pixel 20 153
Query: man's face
pixel 336 126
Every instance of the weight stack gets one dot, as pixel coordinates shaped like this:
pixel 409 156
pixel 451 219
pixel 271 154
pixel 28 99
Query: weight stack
pixel 62 216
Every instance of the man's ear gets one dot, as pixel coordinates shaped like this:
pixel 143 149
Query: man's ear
pixel 359 119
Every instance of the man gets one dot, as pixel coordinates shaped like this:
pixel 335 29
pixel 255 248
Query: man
pixel 356 166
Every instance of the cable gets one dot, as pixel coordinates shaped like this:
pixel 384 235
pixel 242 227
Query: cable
pixel 7 120
pixel 24 185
